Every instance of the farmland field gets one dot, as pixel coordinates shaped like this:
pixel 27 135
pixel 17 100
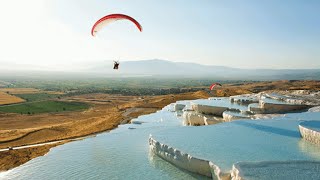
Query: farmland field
pixel 19 90
pixel 37 96
pixel 44 107
pixel 9 99
pixel 27 91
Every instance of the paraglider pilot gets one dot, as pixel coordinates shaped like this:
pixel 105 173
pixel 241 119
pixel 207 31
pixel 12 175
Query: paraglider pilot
pixel 116 65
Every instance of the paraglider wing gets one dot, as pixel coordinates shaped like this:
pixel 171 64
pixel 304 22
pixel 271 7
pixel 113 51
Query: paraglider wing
pixel 214 84
pixel 111 18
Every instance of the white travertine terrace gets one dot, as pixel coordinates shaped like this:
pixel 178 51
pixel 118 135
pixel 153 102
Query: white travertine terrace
pixel 209 120
pixel 196 119
pixel 282 129
pixel 268 104
pixel 310 131
pixel 210 110
pixel 182 160
pixel 298 97
pixel 245 99
pixel 229 116
pixel 314 109
pixel 192 118
pixel 280 108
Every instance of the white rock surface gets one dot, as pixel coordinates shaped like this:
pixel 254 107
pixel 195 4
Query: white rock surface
pixel 302 97
pixel 180 159
pixel 209 120
pixel 310 134
pixel 267 116
pixel 314 109
pixel 191 118
pixel 231 117
pixel 281 108
pixel 210 110
pixel 245 98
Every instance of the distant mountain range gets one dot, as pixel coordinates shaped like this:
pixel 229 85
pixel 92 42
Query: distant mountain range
pixel 158 67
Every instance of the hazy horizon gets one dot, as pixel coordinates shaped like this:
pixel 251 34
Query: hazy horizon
pixel 85 66
pixel 55 34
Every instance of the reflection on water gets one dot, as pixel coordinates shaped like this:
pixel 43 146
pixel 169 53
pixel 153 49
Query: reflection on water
pixel 312 150
pixel 165 166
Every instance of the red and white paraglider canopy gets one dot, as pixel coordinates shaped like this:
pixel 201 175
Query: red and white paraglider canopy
pixel 111 18
pixel 213 85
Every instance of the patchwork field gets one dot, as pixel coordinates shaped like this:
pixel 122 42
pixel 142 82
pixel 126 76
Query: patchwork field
pixel 20 90
pixel 44 107
pixel 38 96
pixel 9 99
pixel 27 91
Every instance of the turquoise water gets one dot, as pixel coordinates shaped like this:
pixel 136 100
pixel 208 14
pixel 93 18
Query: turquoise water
pixel 298 170
pixel 221 102
pixel 244 140
pixel 120 154
pixel 314 125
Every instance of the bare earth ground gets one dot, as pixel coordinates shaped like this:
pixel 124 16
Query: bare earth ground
pixel 108 112
pixel 17 157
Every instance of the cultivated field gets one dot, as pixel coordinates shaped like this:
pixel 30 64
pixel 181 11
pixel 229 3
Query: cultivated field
pixel 34 101
pixel 27 91
pixel 20 90
pixel 38 96
pixel 44 107
pixel 9 99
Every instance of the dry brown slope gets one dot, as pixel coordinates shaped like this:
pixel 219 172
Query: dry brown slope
pixel 14 158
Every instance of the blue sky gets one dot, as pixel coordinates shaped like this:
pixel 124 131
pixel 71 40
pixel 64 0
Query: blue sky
pixel 245 34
